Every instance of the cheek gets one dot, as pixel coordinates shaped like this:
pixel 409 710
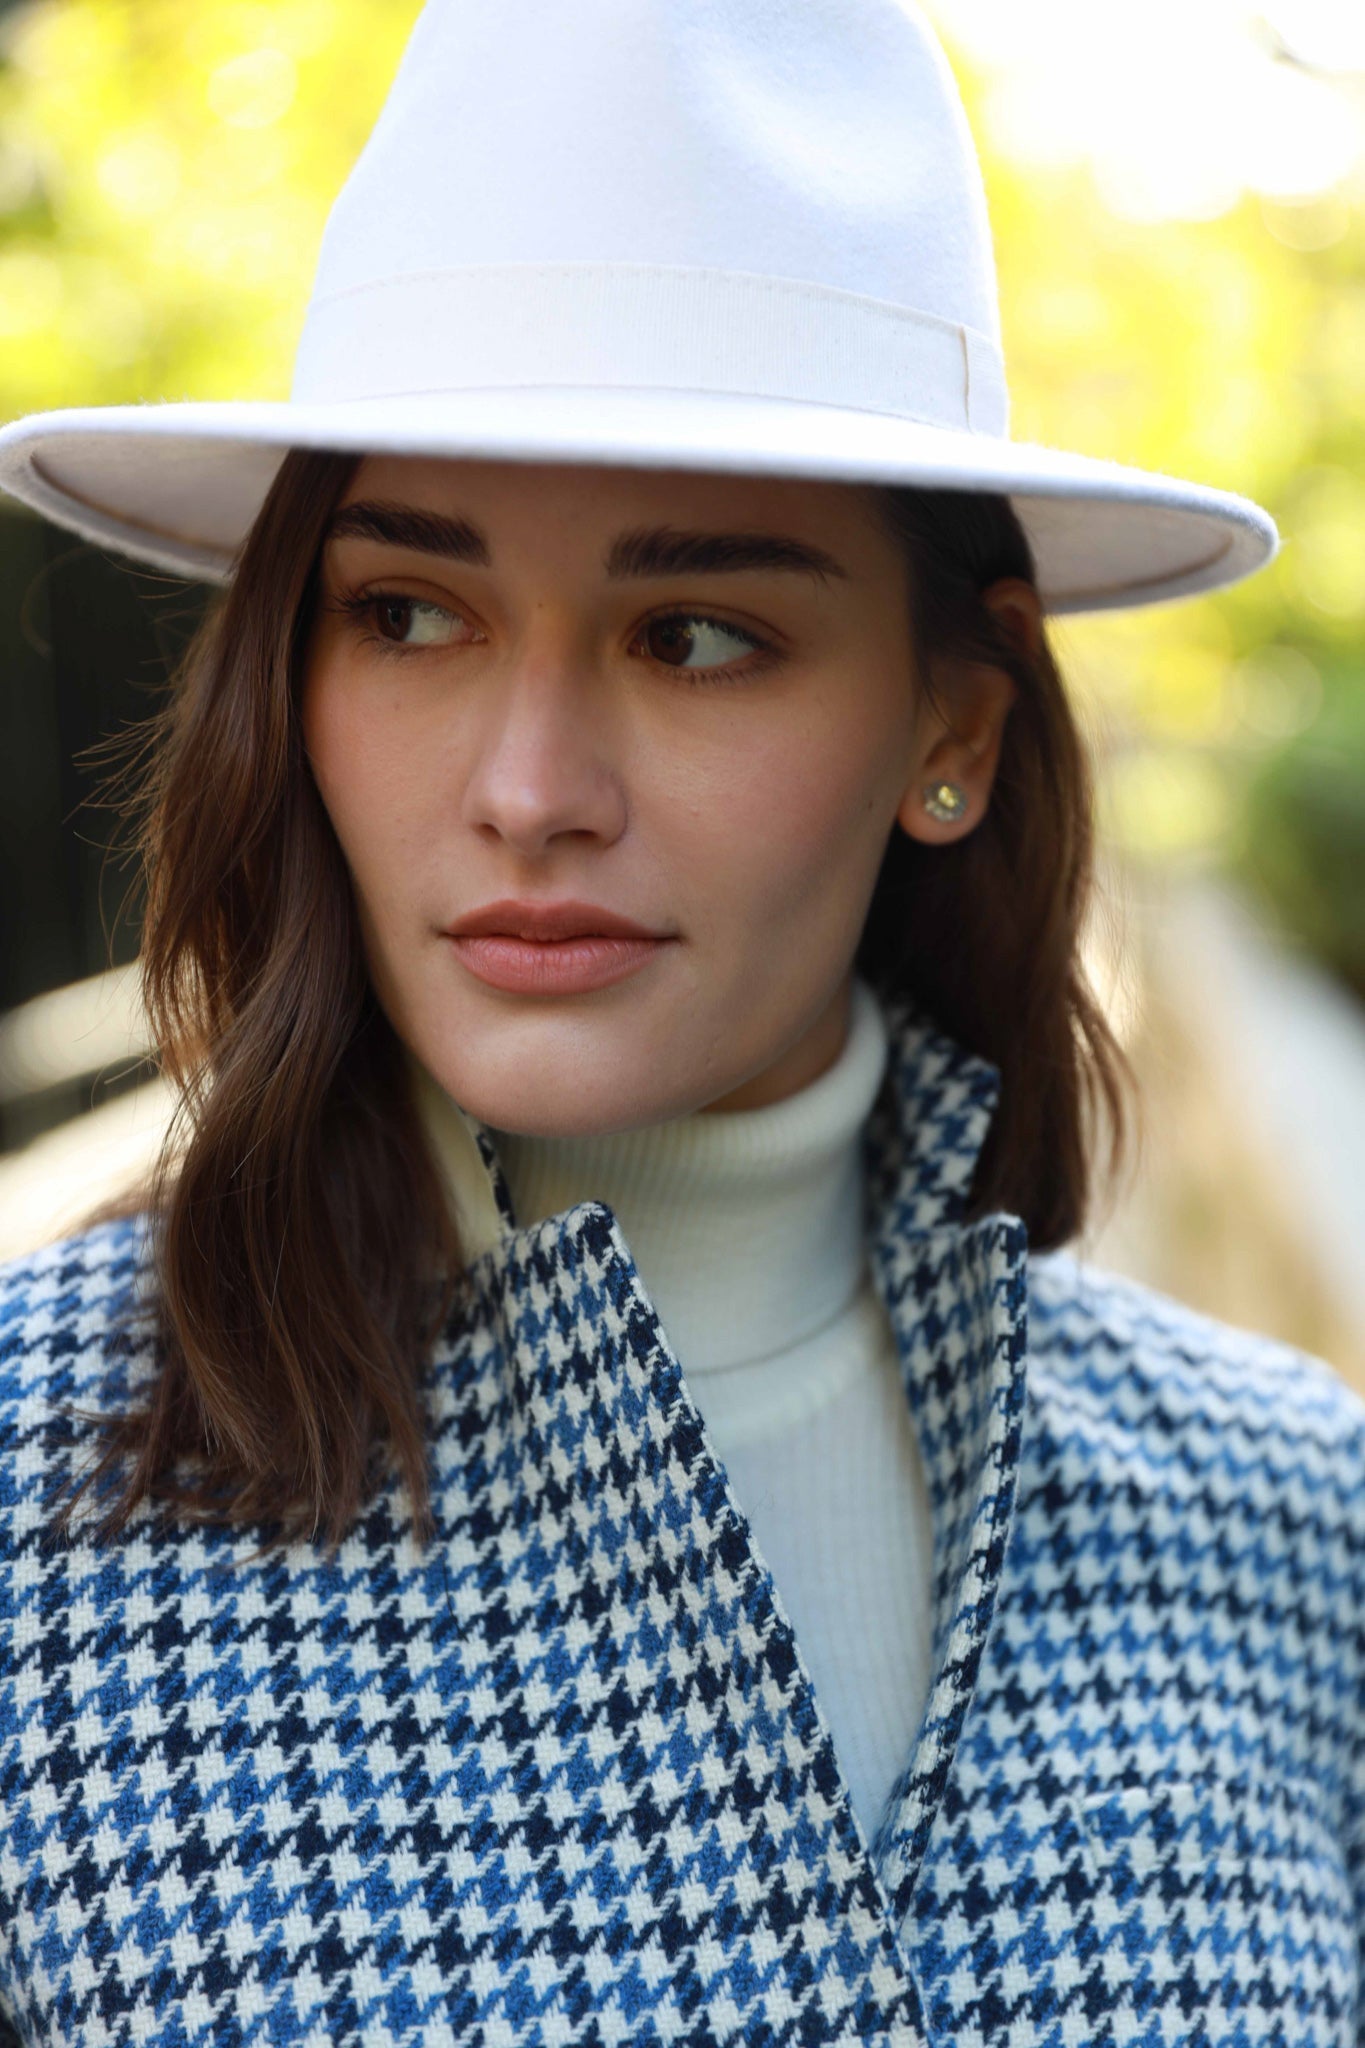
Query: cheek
pixel 370 774
pixel 795 828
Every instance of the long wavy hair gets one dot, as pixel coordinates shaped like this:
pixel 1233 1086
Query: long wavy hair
pixel 303 1257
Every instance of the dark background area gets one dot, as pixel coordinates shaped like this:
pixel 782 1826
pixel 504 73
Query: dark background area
pixel 87 645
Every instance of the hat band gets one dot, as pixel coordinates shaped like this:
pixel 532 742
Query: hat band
pixel 619 326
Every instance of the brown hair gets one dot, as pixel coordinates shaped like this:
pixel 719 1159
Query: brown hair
pixel 986 931
pixel 304 1256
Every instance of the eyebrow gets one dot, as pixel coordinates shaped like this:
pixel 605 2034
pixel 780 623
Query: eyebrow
pixel 640 552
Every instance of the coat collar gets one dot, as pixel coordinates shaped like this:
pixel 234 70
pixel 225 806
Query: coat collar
pixel 924 1140
pixel 570 1299
pixel 957 1296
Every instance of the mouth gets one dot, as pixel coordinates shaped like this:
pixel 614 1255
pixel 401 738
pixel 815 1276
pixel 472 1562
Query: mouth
pixel 553 949
pixel 549 921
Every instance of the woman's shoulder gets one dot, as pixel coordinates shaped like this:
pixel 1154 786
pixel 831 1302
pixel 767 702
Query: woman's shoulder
pixel 67 1313
pixel 1179 1385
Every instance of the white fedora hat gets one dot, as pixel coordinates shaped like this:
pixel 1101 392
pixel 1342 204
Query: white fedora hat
pixel 739 235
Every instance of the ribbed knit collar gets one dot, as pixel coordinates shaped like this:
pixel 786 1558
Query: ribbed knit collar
pixel 747 1226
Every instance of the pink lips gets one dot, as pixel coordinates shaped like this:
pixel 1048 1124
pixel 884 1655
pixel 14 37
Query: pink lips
pixel 551 949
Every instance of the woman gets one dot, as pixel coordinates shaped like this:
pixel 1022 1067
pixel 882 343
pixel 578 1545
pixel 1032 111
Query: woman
pixel 617 1518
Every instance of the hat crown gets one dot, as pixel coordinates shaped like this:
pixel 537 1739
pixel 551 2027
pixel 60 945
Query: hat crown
pixel 708 145
pixel 814 139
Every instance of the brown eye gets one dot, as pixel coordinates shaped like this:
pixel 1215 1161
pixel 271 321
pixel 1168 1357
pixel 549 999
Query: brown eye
pixel 679 635
pixel 396 618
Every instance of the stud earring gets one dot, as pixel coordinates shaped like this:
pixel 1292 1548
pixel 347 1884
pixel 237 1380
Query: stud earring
pixel 945 800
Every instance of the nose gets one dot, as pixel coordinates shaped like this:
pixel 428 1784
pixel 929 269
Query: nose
pixel 543 766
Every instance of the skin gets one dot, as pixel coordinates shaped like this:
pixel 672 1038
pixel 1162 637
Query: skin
pixel 532 743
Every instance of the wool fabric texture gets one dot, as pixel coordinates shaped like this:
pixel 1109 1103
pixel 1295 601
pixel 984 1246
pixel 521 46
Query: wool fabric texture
pixel 562 1776
pixel 746 1228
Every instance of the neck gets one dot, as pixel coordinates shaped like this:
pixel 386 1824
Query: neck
pixel 746 1225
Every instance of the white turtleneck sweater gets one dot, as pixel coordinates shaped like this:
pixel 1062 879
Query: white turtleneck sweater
pixel 747 1230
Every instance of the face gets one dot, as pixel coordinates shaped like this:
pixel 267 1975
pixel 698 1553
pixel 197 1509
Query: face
pixel 683 703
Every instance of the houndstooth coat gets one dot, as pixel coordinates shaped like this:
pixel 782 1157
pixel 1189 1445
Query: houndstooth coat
pixel 562 1778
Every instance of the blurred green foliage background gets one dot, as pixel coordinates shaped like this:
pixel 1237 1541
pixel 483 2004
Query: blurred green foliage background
pixel 166 170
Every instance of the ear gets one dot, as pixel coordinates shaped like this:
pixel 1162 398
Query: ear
pixel 964 746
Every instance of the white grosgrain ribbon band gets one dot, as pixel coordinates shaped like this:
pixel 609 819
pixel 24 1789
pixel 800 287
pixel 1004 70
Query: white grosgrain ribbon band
pixel 625 325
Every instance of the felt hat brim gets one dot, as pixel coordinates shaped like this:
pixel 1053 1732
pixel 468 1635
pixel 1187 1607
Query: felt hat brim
pixel 177 485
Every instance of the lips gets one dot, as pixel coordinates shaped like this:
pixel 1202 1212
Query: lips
pixel 545 921
pixel 552 949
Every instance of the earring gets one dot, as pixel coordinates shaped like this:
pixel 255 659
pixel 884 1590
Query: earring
pixel 945 800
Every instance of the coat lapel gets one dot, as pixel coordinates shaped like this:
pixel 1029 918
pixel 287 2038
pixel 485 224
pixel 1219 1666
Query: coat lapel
pixel 634 1655
pixel 957 1296
pixel 605 1417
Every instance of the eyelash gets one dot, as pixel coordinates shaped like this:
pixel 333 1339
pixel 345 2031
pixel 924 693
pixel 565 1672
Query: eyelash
pixel 360 607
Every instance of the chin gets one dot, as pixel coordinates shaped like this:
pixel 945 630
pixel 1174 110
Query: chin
pixel 542 1114
pixel 573 1070
pixel 539 1096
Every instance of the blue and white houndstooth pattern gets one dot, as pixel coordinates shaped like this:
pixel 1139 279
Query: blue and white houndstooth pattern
pixel 563 1778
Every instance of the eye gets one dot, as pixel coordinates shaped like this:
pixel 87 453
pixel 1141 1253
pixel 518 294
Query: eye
pixel 676 636
pixel 409 621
